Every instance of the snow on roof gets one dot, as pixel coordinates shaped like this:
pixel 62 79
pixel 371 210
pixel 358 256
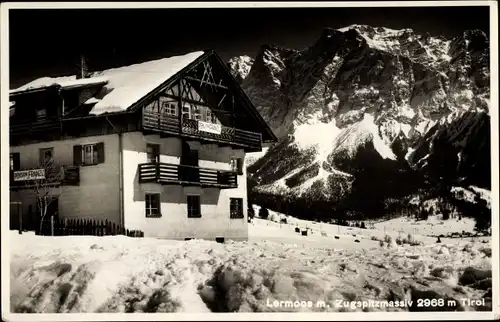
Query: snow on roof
pixel 92 100
pixel 64 82
pixel 124 85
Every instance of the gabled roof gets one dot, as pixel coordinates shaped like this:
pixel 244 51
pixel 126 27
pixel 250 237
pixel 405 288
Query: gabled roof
pixel 123 86
pixel 126 88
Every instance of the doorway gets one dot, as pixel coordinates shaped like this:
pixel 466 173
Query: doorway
pixel 189 170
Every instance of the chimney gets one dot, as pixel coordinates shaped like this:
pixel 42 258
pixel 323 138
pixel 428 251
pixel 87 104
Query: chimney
pixel 83 70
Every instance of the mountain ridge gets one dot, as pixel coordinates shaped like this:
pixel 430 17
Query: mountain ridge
pixel 363 95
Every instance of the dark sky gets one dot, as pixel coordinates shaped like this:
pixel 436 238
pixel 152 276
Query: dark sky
pixel 49 42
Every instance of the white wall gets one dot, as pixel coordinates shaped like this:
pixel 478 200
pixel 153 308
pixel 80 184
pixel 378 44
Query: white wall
pixel 96 197
pixel 174 223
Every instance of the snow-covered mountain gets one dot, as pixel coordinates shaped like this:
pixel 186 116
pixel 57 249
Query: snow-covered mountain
pixel 371 102
pixel 240 67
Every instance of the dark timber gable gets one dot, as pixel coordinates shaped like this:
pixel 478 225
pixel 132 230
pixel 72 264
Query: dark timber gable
pixel 205 91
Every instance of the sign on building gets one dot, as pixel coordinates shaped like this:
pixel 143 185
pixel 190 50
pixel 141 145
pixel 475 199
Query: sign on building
pixel 209 127
pixel 35 174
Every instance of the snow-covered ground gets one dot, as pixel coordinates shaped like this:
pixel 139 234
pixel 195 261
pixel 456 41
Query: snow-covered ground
pixel 324 233
pixel 122 274
pixel 433 226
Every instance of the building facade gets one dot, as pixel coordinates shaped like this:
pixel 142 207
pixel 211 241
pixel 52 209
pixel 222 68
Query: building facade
pixel 158 146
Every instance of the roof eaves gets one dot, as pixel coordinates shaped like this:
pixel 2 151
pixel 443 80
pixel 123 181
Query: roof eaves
pixel 32 90
pixel 101 83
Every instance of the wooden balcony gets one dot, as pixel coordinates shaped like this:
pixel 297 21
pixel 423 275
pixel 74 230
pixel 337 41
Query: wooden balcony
pixel 167 173
pixel 161 123
pixel 60 175
pixel 24 127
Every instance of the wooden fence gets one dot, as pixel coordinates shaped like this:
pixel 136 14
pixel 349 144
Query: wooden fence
pixel 85 227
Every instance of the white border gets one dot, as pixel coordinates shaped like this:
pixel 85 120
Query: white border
pixel 4 81
pixel 495 220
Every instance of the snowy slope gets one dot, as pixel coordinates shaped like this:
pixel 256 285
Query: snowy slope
pixel 323 233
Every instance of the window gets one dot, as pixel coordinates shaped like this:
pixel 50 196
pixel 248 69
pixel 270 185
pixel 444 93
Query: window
pixel 237 165
pixel 197 113
pixel 193 206
pixel 46 156
pixel 170 108
pixel 186 111
pixel 211 118
pixel 41 113
pixel 192 112
pixel 14 161
pixel 153 205
pixel 236 208
pixel 153 153
pixel 89 154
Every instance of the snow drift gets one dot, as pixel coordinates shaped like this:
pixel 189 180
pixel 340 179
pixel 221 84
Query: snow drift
pixel 122 274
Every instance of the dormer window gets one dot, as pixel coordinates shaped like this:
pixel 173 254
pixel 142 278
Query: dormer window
pixel 41 113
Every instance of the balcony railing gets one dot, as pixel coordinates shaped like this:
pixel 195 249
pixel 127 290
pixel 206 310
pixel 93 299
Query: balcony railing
pixel 155 121
pixel 167 173
pixel 59 175
pixel 18 127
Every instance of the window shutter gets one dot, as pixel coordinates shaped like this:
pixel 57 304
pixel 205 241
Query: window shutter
pixel 16 159
pixel 77 155
pixel 239 164
pixel 100 152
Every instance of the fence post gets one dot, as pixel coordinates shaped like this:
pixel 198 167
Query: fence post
pixel 20 214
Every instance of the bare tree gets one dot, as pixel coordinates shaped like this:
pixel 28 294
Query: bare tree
pixel 45 187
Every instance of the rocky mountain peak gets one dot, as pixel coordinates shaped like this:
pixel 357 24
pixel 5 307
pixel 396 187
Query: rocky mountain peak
pixel 364 95
pixel 240 67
